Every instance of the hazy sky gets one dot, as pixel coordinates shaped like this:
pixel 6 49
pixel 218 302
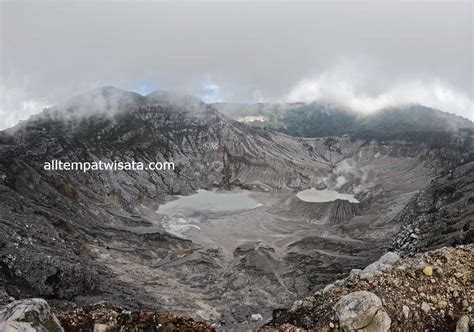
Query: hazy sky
pixel 364 54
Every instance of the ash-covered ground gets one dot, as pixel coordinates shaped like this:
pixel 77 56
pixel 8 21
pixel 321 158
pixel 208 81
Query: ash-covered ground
pixel 77 238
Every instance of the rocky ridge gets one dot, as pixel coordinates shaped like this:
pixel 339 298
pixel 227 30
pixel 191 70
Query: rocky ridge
pixel 430 291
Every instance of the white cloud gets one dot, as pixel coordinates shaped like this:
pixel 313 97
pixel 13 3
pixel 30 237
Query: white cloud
pixel 16 106
pixel 344 85
pixel 353 84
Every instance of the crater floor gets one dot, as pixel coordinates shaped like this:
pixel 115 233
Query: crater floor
pixel 256 251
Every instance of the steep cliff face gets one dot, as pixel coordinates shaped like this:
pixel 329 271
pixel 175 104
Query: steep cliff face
pixel 80 237
pixel 442 214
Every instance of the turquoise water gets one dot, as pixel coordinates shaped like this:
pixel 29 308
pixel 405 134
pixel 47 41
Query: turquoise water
pixel 326 195
pixel 206 202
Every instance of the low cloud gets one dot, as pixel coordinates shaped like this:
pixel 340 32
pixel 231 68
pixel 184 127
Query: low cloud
pixel 347 87
pixel 15 105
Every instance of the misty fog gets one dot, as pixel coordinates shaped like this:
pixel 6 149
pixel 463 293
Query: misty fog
pixel 361 55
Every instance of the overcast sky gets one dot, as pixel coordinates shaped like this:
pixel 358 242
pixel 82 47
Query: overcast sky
pixel 366 55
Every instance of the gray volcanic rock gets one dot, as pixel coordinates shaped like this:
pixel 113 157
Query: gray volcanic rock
pixel 29 315
pixel 361 311
pixel 441 214
pixel 78 237
pixel 402 297
pixel 386 260
pixel 337 211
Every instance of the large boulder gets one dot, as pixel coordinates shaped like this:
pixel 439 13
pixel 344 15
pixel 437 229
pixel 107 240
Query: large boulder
pixel 361 311
pixel 385 261
pixel 29 315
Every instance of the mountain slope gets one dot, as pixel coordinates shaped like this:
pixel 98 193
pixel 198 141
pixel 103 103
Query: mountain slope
pixel 442 214
pixel 412 122
pixel 79 237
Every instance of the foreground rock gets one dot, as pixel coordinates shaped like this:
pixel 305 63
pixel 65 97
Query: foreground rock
pixel 102 317
pixel 399 297
pixel 28 315
pixel 361 310
pixel 35 315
